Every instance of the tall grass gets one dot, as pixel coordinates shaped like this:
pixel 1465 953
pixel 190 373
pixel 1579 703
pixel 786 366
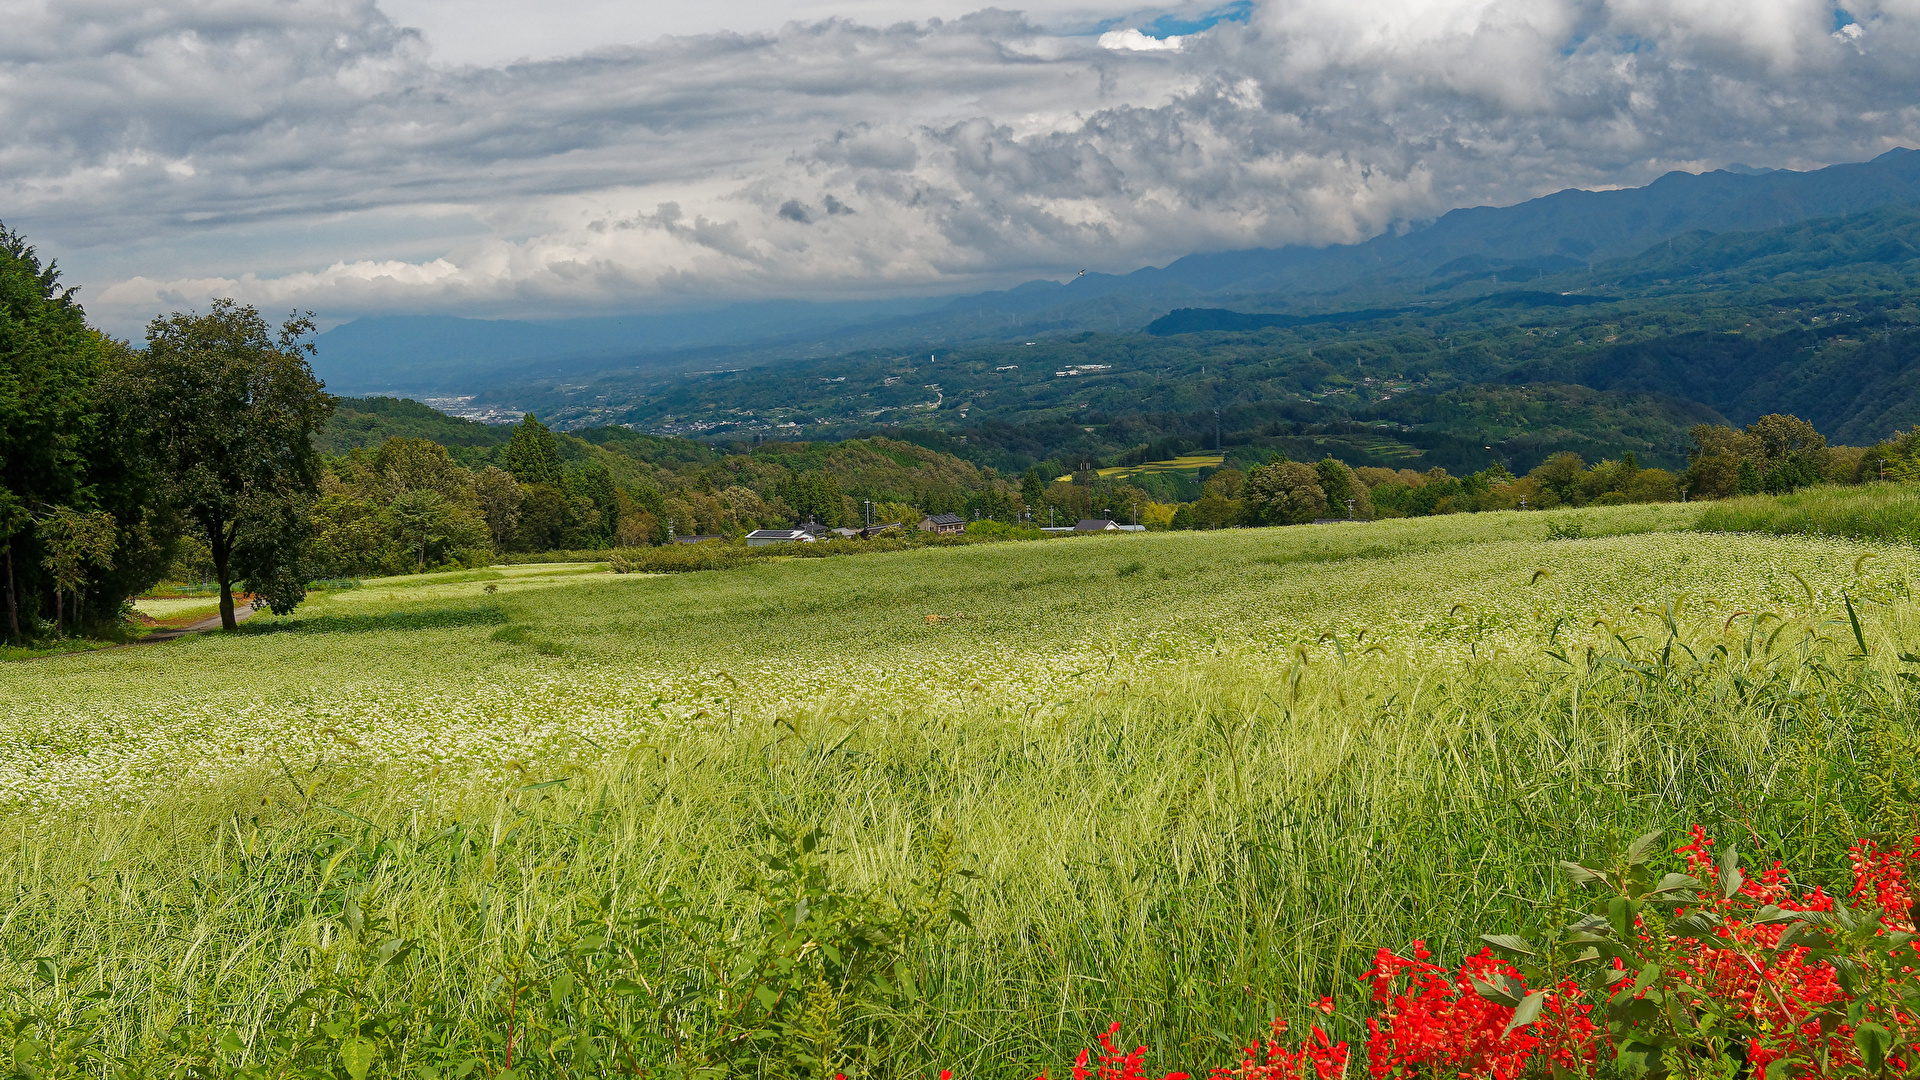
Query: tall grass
pixel 1886 512
pixel 1192 849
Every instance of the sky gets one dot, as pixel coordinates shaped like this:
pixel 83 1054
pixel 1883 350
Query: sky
pixel 495 158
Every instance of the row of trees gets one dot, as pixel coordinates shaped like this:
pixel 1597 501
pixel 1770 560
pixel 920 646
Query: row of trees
pixel 407 505
pixel 1774 454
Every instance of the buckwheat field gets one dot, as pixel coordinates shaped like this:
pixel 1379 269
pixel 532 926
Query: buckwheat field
pixel 1184 781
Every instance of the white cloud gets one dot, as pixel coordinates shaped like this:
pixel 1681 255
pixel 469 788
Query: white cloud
pixel 319 154
pixel 1133 40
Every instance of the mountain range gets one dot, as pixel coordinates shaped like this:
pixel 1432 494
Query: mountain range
pixel 500 361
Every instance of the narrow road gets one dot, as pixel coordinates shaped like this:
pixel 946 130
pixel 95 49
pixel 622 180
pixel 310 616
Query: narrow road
pixel 240 614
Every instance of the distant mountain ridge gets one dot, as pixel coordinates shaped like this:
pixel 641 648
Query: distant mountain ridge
pixel 1499 245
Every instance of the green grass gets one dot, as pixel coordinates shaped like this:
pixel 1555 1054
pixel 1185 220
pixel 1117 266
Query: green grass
pixel 1184 463
pixel 1886 512
pixel 1199 776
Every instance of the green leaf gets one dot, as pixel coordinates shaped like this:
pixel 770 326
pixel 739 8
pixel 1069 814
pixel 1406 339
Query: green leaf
pixel 1621 912
pixel 1700 922
pixel 767 998
pixel 563 987
pixel 1855 620
pixel 1676 883
pixel 1730 876
pixel 1508 991
pixel 1873 1042
pixel 1512 943
pixel 1580 874
pixel 1527 1011
pixel 356 1056
pixel 1643 849
pixel 391 950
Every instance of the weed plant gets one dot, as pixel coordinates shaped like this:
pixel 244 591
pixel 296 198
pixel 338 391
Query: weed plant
pixel 1185 782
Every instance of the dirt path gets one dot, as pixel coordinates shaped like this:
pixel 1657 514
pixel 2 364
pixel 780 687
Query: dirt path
pixel 240 614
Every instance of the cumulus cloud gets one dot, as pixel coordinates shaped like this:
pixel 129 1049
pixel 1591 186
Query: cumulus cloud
pixel 1132 40
pixel 317 154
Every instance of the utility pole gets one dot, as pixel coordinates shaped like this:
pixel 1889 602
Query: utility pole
pixel 869 513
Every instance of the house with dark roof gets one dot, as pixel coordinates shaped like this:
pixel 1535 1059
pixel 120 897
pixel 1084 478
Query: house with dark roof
pixel 763 537
pixel 943 523
pixel 872 531
pixel 1096 525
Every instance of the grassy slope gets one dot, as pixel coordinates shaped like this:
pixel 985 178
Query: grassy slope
pixel 1201 775
pixel 1867 512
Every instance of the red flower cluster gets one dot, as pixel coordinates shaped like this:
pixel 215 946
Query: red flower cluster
pixel 1327 1058
pixel 1114 1065
pixel 1884 875
pixel 1784 991
pixel 1727 952
pixel 1438 1024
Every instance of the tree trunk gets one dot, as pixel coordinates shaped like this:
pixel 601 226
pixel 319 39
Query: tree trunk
pixel 13 604
pixel 222 553
pixel 59 614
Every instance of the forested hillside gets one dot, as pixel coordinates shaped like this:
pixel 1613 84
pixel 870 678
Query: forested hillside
pixel 1816 319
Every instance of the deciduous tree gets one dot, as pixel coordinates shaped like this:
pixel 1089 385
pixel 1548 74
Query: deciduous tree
pixel 77 542
pixel 1284 493
pixel 1345 493
pixel 226 411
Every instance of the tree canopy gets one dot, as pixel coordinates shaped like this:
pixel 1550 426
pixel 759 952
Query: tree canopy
pixel 226 412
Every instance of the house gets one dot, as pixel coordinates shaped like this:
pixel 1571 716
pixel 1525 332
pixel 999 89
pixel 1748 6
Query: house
pixel 849 534
pixel 872 531
pixel 943 523
pixel 1131 528
pixel 1096 525
pixel 700 538
pixel 763 537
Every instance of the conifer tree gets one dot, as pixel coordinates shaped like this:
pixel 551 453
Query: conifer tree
pixel 532 455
